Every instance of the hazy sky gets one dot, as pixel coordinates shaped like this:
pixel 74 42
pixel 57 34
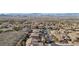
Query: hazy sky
pixel 39 6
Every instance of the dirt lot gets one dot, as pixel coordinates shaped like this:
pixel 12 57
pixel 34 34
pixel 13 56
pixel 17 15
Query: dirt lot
pixel 9 38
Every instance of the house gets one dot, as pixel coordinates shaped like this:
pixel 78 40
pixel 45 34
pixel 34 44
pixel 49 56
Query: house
pixel 41 26
pixel 36 30
pixel 35 36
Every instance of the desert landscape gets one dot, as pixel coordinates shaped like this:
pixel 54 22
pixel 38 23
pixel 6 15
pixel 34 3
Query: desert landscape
pixel 37 29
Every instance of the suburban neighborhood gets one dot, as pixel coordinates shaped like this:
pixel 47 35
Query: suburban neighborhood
pixel 39 31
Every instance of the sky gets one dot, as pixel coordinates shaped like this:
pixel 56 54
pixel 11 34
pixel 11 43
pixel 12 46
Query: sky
pixel 39 6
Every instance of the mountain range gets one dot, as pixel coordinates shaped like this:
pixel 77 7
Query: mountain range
pixel 39 14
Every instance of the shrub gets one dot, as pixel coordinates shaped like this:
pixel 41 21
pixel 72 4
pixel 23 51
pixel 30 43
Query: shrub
pixel 1 31
pixel 17 28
